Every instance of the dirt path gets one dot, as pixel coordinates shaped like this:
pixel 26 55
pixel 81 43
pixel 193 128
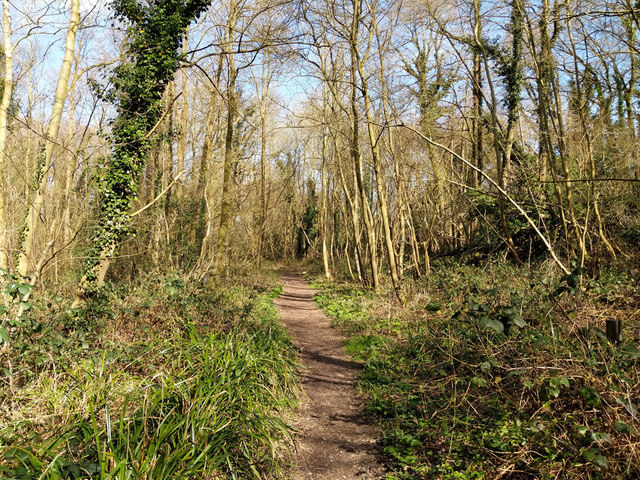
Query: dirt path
pixel 336 442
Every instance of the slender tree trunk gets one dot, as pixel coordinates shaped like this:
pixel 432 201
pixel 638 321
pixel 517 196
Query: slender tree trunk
pixel 543 66
pixel 476 120
pixel 4 127
pixel 184 123
pixel 377 168
pixel 264 134
pixel 226 220
pixel 70 168
pixel 44 160
pixel 586 131
pixel 201 181
pixel 356 154
pixel 629 96
pixel 395 266
pixel 323 192
pixel 355 220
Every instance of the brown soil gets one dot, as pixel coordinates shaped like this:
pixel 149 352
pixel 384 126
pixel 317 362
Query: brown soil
pixel 336 441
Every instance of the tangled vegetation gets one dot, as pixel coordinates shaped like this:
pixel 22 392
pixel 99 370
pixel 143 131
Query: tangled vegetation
pixel 499 372
pixel 158 380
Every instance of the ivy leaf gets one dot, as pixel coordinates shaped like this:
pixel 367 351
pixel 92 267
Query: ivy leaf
pixel 623 427
pixel 590 395
pixel 479 382
pixel 24 288
pixel 493 324
pixel 572 280
pixel 630 350
pixel 593 455
pixel 582 429
pixel 601 437
pixel 4 335
pixel 631 408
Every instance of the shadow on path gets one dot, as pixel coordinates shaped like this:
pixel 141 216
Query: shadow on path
pixel 336 441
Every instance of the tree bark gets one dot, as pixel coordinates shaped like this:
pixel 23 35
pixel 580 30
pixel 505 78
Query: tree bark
pixel 44 161
pixel 356 154
pixel 4 127
pixel 226 220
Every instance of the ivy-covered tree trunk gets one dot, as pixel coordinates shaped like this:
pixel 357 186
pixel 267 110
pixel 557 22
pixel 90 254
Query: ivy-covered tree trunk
pixel 156 32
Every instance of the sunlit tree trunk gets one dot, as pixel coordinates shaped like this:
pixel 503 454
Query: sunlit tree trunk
pixel 374 142
pixel 354 208
pixel 184 123
pixel 356 154
pixel 226 219
pixel 555 112
pixel 4 121
pixel 263 88
pixel 378 173
pixel 541 50
pixel 630 93
pixel 324 187
pixel 26 244
pixel 200 228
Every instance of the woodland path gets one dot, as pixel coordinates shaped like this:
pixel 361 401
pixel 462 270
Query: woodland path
pixel 335 442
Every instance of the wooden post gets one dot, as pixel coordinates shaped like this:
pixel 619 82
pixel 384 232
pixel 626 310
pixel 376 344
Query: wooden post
pixel 614 330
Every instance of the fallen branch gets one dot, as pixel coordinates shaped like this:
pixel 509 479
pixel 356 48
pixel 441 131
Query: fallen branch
pixel 500 189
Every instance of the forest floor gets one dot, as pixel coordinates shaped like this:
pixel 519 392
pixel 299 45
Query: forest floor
pixel 336 440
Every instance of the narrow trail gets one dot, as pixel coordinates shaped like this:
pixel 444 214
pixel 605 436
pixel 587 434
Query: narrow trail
pixel 336 442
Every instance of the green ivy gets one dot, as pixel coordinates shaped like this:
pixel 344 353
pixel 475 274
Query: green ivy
pixel 155 32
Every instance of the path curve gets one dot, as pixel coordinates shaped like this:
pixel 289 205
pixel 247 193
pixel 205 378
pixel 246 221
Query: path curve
pixel 336 442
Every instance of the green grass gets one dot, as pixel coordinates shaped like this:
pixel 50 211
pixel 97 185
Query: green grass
pixel 157 383
pixel 492 373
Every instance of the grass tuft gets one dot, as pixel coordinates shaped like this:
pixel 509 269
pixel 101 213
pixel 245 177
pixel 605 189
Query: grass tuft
pixel 158 381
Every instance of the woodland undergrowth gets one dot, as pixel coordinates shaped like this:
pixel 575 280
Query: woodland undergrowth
pixel 499 372
pixel 157 380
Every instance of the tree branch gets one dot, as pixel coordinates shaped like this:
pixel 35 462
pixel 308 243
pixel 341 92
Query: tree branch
pixel 150 204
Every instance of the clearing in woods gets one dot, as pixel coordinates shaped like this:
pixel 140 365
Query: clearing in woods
pixel 335 439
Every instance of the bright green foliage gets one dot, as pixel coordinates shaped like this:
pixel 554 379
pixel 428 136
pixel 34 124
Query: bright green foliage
pixel 155 33
pixel 192 385
pixel 483 376
pixel 16 295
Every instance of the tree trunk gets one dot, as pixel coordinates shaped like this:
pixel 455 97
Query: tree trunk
pixel 226 220
pixel 356 154
pixel 184 123
pixel 30 224
pixel 323 192
pixel 4 127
